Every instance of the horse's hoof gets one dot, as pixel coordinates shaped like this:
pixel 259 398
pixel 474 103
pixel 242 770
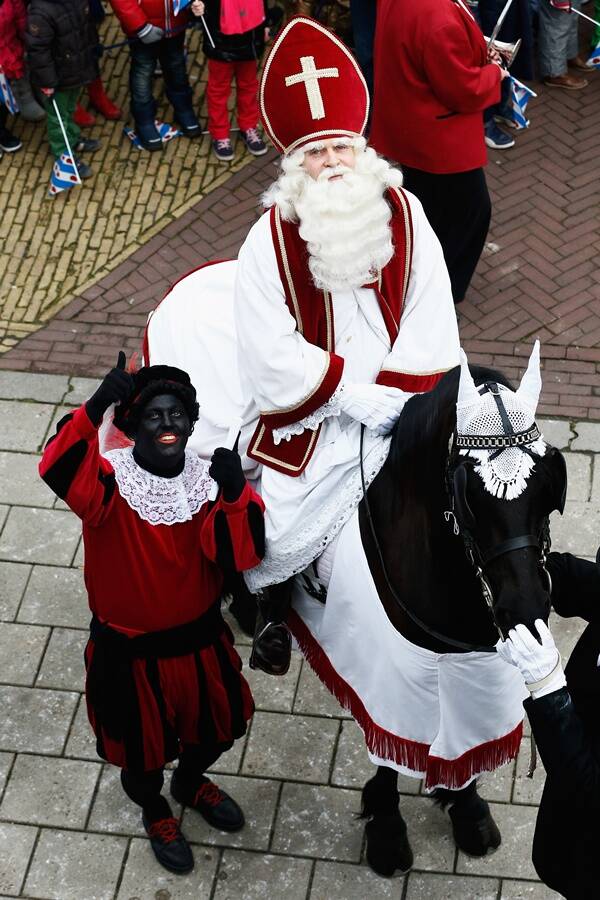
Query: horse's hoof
pixel 388 850
pixel 475 835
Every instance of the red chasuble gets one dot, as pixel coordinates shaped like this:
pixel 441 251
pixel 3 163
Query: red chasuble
pixel 313 312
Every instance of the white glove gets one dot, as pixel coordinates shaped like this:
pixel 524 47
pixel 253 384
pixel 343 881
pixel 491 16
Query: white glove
pixel 150 34
pixel 539 664
pixel 375 405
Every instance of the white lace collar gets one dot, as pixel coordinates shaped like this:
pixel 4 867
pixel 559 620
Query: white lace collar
pixel 161 501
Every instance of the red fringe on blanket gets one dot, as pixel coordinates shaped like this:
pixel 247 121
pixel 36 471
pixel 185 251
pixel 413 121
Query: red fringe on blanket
pixel 437 772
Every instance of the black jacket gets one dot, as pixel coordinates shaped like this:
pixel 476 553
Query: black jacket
pixel 231 47
pixel 566 727
pixel 60 40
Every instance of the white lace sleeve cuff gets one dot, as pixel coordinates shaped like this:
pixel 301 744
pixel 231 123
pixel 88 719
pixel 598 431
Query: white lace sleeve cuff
pixel 333 407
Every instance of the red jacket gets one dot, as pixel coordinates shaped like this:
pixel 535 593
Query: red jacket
pixel 134 14
pixel 12 30
pixel 432 83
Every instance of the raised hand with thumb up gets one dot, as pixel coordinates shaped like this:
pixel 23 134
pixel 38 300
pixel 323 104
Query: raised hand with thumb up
pixel 116 386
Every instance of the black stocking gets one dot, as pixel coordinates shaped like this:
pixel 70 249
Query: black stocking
pixel 194 760
pixel 380 794
pixel 144 788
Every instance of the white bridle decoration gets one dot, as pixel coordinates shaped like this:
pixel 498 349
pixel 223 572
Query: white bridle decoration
pixel 505 472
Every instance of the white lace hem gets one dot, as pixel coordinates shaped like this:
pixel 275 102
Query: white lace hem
pixel 161 501
pixel 332 407
pixel 306 545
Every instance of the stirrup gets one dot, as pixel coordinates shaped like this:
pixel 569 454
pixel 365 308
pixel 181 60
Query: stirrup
pixel 265 657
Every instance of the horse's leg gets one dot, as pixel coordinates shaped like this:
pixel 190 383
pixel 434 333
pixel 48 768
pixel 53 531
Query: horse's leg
pixel 388 848
pixel 473 827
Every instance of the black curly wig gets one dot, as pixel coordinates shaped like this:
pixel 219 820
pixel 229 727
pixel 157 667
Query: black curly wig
pixel 149 382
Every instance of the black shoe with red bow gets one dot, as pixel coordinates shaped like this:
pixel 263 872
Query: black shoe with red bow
pixel 169 845
pixel 218 808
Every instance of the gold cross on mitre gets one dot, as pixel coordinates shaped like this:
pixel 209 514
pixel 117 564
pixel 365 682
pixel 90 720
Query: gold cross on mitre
pixel 309 76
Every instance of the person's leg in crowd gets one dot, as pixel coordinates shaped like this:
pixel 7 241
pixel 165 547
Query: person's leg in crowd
pixel 495 137
pixel 246 80
pixel 555 39
pixel 171 54
pixel 575 59
pixel 364 14
pixel 66 101
pixel 8 142
pixel 143 59
pixel 191 787
pixel 458 208
pixel 218 89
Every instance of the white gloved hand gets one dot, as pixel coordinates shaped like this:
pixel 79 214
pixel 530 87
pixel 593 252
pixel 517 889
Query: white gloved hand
pixel 539 664
pixel 374 405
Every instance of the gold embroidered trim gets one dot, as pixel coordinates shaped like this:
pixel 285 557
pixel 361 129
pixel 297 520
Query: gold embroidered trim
pixel 418 374
pixel 328 320
pixel 287 409
pixel 288 271
pixel 272 459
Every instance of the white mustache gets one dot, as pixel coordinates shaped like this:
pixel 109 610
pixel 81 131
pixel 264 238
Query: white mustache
pixel 331 173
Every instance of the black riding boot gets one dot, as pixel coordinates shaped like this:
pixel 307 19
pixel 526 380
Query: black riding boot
pixel 388 848
pixel 473 828
pixel 272 646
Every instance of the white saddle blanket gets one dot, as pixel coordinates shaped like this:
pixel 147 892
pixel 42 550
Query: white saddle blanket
pixel 445 718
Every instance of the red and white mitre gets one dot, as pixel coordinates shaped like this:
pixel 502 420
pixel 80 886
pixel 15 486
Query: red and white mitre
pixel 312 87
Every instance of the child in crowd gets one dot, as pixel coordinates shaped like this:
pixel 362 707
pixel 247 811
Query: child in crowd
pixel 60 40
pixel 157 36
pixel 12 64
pixel 238 29
pixel 99 99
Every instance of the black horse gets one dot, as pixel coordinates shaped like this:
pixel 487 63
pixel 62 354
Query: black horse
pixel 437 542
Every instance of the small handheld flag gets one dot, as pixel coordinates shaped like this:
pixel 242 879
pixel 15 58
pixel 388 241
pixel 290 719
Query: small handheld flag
pixel 64 175
pixel 6 95
pixel 594 58
pixel 178 5
pixel 520 95
pixel 167 133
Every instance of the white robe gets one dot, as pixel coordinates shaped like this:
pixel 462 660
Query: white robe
pixel 279 369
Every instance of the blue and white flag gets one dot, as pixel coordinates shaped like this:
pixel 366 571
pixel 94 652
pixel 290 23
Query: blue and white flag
pixel 594 58
pixel 178 5
pixel 514 109
pixel 64 175
pixel 6 95
pixel 167 133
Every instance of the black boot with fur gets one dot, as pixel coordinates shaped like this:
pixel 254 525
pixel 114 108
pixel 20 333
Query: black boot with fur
pixel 473 828
pixel 388 849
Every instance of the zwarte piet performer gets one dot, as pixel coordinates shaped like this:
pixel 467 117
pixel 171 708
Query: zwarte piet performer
pixel 163 679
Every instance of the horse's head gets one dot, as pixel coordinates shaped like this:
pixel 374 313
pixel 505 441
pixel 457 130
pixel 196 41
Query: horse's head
pixel 504 481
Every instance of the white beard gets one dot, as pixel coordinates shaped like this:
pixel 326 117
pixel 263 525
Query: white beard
pixel 345 222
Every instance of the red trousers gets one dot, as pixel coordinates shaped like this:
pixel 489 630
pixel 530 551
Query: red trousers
pixel 218 89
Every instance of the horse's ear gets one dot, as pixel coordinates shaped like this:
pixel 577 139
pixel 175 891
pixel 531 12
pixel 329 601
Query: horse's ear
pixel 462 510
pixel 559 481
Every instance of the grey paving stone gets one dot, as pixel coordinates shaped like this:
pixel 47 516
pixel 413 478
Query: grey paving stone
pixel 513 857
pixel 16 844
pixel 29 386
pixel 80 390
pixel 577 531
pixel 113 811
pixel 527 890
pixel 256 876
pixel 78 560
pixel 6 760
pixel 283 746
pixel 344 881
pixel 497 785
pixel 579 476
pixel 71 865
pixel 241 639
pixel 4 511
pixel 62 666
pixel 427 886
pixel 56 596
pixel 21 649
pixel 13 578
pixel 314 699
pixel 145 879
pixel 352 767
pixel 319 821
pixel 269 692
pixel 429 833
pixel 81 743
pixel 46 790
pixel 229 763
pixel 528 790
pixel 258 799
pixel 40 536
pixel 588 436
pixel 23 425
pixel 557 432
pixel 35 720
pixel 20 483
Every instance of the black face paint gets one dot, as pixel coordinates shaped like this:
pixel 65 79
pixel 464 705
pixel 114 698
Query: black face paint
pixel 162 435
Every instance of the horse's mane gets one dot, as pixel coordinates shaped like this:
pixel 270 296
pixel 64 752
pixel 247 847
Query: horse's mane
pixel 420 438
